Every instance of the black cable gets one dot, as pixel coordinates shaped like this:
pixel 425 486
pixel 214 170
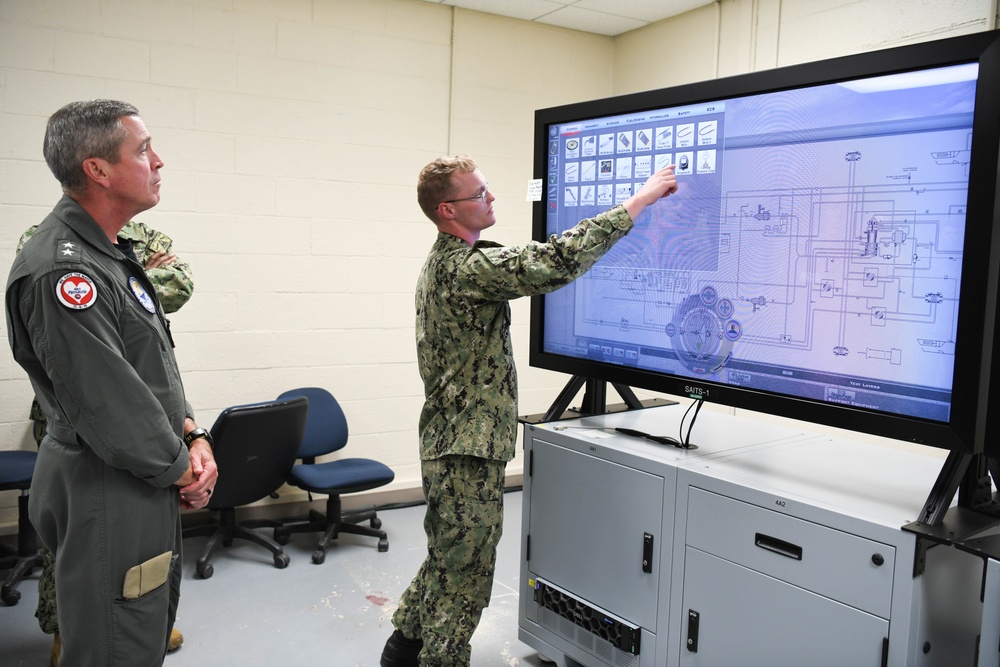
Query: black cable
pixel 662 439
pixel 686 440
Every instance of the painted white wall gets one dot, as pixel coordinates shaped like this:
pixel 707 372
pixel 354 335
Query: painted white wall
pixel 733 37
pixel 293 132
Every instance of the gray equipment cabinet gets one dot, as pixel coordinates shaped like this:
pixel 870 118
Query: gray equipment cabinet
pixel 763 546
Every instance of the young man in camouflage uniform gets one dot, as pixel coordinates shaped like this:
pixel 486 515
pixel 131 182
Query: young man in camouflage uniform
pixel 174 284
pixel 469 419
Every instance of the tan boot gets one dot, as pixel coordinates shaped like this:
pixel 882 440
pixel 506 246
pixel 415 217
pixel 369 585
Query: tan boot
pixel 176 639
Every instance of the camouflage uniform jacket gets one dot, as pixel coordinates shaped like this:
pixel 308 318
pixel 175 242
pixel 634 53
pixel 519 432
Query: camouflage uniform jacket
pixel 463 329
pixel 174 284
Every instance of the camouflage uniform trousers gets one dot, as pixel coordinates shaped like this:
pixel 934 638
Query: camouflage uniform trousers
pixel 464 522
pixel 45 612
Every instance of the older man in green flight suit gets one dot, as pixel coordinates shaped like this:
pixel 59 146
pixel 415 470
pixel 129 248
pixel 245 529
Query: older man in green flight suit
pixel 174 284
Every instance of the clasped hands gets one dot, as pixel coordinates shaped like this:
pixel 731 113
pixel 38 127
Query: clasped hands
pixel 200 478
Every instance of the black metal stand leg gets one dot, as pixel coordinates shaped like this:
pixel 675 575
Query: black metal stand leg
pixel 564 398
pixel 944 488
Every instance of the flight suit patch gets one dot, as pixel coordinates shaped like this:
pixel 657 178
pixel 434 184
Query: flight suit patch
pixel 76 291
pixel 141 295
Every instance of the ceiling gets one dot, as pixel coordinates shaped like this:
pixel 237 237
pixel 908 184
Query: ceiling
pixel 602 17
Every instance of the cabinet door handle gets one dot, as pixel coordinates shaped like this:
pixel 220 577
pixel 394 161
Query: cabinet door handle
pixel 694 618
pixel 647 553
pixel 780 547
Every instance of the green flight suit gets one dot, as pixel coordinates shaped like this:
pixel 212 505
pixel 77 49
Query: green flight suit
pixel 84 323
pixel 174 285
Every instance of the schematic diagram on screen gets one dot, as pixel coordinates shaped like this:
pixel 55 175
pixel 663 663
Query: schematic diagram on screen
pixel 844 254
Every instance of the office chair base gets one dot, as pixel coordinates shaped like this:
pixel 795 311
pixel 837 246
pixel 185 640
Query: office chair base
pixel 23 567
pixel 331 525
pixel 333 531
pixel 25 559
pixel 225 532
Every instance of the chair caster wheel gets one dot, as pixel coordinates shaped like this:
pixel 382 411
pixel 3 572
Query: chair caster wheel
pixel 383 545
pixel 281 561
pixel 281 538
pixel 10 596
pixel 205 570
pixel 319 557
pixel 375 522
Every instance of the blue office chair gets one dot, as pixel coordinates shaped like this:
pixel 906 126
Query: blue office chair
pixel 255 448
pixel 16 469
pixel 326 432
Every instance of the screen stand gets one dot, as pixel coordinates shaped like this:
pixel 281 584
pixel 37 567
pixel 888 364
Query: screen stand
pixel 595 397
pixel 972 524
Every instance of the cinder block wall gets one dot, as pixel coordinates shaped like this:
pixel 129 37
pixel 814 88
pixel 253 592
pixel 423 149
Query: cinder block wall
pixel 293 131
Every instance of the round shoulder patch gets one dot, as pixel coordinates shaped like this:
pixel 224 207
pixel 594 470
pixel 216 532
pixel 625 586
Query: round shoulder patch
pixel 141 294
pixel 76 291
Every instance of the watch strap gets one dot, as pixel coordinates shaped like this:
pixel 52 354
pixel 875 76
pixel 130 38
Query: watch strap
pixel 194 434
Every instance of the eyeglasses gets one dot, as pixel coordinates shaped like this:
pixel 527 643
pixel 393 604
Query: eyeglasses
pixel 481 196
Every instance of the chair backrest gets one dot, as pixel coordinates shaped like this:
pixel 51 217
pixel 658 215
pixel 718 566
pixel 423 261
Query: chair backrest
pixel 255 448
pixel 326 427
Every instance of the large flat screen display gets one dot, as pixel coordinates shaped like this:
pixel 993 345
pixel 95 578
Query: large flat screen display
pixel 830 255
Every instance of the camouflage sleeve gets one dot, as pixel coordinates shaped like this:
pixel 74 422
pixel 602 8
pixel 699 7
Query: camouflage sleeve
pixel 503 273
pixel 174 284
pixel 24 237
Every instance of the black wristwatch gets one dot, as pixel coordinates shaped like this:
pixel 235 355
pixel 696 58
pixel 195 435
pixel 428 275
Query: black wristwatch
pixel 194 434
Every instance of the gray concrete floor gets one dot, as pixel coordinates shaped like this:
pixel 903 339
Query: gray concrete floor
pixel 338 613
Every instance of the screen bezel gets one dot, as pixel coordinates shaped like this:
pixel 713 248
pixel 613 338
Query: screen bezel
pixel 966 430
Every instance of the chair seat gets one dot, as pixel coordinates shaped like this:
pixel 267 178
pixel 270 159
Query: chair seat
pixel 16 469
pixel 327 432
pixel 341 476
